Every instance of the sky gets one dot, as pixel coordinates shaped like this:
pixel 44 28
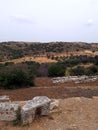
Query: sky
pixel 49 20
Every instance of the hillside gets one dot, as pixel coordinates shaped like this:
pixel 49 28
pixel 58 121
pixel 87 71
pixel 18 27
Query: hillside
pixel 21 63
pixel 16 50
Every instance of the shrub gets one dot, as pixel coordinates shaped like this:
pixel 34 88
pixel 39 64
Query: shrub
pixel 71 62
pixel 15 79
pixel 92 70
pixel 56 70
pixel 79 70
pixel 8 63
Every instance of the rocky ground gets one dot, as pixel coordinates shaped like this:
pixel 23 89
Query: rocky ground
pixel 78 108
pixel 73 114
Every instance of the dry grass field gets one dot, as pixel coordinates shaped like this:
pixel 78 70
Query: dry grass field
pixel 44 59
pixel 24 51
pixel 29 58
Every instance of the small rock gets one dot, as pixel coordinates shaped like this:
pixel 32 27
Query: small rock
pixel 9 111
pixel 4 98
pixel 54 104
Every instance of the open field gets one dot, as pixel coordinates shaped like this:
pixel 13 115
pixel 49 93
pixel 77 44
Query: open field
pixel 44 86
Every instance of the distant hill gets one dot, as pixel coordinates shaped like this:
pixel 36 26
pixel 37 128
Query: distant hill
pixel 16 50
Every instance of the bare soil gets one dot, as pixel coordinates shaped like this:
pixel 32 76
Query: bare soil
pixel 45 87
pixel 78 108
pixel 72 114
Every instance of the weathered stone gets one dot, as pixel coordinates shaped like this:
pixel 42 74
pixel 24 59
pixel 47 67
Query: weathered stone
pixel 76 79
pixel 4 98
pixel 38 105
pixel 45 109
pixel 54 104
pixel 9 111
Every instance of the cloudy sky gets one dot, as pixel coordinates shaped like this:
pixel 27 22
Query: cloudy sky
pixel 49 20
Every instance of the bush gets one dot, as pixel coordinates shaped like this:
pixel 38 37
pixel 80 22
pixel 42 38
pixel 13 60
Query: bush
pixel 80 70
pixel 76 71
pixel 15 79
pixel 92 70
pixel 71 62
pixel 8 63
pixel 56 70
pixel 96 63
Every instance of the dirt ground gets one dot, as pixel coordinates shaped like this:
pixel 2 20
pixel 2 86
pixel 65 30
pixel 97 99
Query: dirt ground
pixel 78 108
pixel 72 114
pixel 45 87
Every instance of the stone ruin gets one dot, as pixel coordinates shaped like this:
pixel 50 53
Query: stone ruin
pixel 4 98
pixel 8 111
pixel 76 79
pixel 40 105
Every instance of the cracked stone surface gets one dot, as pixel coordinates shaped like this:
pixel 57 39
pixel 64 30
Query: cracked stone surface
pixel 9 111
pixel 28 111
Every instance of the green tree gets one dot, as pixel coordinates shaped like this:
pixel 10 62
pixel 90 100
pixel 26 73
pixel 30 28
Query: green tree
pixel 56 70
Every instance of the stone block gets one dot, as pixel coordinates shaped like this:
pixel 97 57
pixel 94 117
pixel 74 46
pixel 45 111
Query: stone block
pixel 54 104
pixel 4 99
pixel 38 105
pixel 9 111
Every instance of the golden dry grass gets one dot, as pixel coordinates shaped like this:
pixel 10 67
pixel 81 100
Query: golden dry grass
pixel 77 53
pixel 44 59
pixel 29 58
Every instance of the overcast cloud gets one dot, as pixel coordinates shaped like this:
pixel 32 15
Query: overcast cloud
pixel 49 20
pixel 22 20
